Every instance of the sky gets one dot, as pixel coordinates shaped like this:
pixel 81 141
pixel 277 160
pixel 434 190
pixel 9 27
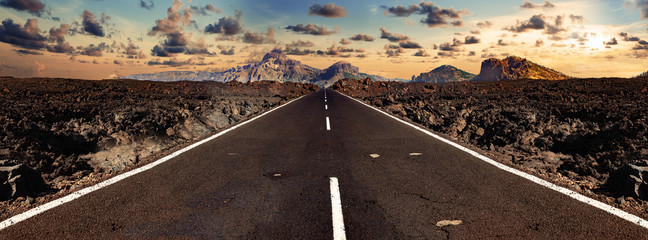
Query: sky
pixel 98 39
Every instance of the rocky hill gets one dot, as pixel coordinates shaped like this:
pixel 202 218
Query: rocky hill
pixel 274 66
pixel 515 68
pixel 443 74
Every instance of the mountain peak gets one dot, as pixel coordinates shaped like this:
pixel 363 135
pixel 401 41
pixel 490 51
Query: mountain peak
pixel 274 54
pixel 442 74
pixel 514 67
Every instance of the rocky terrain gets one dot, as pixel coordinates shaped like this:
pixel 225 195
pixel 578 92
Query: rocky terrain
pixel 443 74
pixel 514 67
pixel 586 134
pixel 58 134
pixel 275 66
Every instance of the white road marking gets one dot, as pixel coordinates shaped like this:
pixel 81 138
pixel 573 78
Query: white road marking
pixel 373 155
pixel 597 204
pixel 328 124
pixel 72 196
pixel 416 154
pixel 336 207
pixel 444 223
pixel 325 106
pixel 325 100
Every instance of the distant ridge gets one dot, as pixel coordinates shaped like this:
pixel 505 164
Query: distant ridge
pixel 443 74
pixel 515 68
pixel 274 66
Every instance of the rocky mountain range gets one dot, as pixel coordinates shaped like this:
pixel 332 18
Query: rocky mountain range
pixel 275 65
pixel 515 68
pixel 443 74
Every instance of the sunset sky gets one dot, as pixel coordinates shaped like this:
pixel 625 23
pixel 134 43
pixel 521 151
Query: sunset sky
pixel 96 39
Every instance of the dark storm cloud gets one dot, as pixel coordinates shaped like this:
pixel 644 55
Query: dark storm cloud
pixel 27 36
pixel 35 7
pixel 259 38
pixel 392 37
pixel 539 22
pixel 362 37
pixel 311 29
pixel 328 10
pixel 530 5
pixel 626 37
pixel 435 16
pixel 472 40
pixel 90 24
pixel 145 5
pixel 227 25
pixel 27 52
pixel 409 44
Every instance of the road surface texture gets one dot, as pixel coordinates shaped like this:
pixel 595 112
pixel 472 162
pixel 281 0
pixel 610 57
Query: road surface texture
pixel 270 179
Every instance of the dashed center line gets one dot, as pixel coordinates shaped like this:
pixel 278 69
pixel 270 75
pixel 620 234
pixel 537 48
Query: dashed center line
pixel 336 207
pixel 328 124
pixel 325 106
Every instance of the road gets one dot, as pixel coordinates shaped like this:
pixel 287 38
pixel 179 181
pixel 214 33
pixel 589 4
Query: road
pixel 271 179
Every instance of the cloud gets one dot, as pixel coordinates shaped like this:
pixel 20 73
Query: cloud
pixel 421 53
pixel 90 24
pixel 328 10
pixel 335 50
pixel 35 7
pixel 345 41
pixel 530 5
pixel 227 25
pixel 409 44
pixel 392 37
pixel 629 38
pixel 394 52
pixel 300 43
pixel 362 37
pixel 145 5
pixel 204 10
pixel 27 36
pixel 94 50
pixel 172 62
pixel 39 67
pixel 642 5
pixel 435 16
pixel 454 46
pixel 539 43
pixel 226 50
pixel 311 29
pixel 613 41
pixel 259 38
pixel 58 35
pixel 118 62
pixel 539 22
pixel 27 52
pixel 472 40
pixel 172 28
pixel 577 19
pixel 290 50
pixel 133 51
pixel 484 24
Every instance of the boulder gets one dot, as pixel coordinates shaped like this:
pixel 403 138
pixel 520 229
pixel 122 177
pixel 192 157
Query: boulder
pixel 630 180
pixel 18 180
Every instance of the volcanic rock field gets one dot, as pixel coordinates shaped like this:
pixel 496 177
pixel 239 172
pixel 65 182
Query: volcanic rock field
pixel 61 134
pixel 587 134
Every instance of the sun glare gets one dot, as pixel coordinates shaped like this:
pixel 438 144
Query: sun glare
pixel 596 42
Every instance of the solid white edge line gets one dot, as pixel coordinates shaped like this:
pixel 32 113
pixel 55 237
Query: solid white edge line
pixel 597 204
pixel 328 124
pixel 72 196
pixel 336 208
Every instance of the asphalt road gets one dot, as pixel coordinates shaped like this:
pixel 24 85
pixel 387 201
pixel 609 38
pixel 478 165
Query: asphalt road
pixel 269 179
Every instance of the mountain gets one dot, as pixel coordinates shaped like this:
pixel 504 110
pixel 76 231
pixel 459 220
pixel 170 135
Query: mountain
pixel 275 65
pixel 515 68
pixel 443 74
